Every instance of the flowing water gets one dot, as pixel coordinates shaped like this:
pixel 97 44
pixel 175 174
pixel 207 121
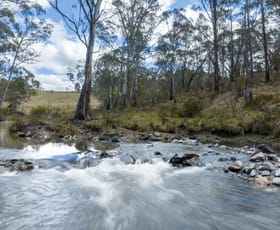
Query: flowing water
pixel 114 195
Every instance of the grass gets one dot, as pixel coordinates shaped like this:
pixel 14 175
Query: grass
pixel 63 100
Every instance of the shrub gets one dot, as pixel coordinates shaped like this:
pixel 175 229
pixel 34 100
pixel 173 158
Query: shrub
pixel 190 108
pixel 38 114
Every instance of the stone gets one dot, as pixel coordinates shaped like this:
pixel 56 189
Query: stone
pixel 104 154
pixel 157 153
pixel 276 181
pixel 258 157
pixel 115 139
pixel 265 173
pixel 222 159
pixel 266 166
pixel 157 134
pixel 104 138
pixel 145 137
pixel 277 173
pixel 237 166
pixel 186 160
pixel 273 157
pixel 265 149
pixel 261 181
pixel 19 165
pixel 253 173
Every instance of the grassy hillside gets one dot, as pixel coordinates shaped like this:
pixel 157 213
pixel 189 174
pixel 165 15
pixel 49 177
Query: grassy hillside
pixel 63 100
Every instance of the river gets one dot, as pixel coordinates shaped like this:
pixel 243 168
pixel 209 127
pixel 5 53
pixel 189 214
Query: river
pixel 114 195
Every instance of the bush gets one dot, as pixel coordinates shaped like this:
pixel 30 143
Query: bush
pixel 190 108
pixel 39 113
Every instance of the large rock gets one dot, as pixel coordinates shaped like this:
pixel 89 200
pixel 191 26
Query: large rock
pixel 258 157
pixel 237 166
pixel 186 160
pixel 266 166
pixel 276 181
pixel 261 181
pixel 265 149
pixel 277 173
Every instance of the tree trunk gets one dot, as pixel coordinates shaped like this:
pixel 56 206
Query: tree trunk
pixel 83 106
pixel 267 77
pixel 216 47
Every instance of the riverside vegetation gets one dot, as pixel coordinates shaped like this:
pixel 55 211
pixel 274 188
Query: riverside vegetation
pixel 49 115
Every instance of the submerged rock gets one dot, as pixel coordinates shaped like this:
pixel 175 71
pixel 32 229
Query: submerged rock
pixel 19 165
pixel 186 160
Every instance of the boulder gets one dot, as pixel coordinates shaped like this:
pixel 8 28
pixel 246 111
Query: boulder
pixel 265 149
pixel 258 157
pixel 273 157
pixel 276 181
pixel 115 139
pixel 261 181
pixel 104 154
pixel 186 160
pixel 277 173
pixel 237 166
pixel 266 166
pixel 157 153
pixel 265 173
pixel 253 173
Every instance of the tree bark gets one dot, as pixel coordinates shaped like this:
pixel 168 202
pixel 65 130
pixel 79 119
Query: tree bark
pixel 83 106
pixel 216 46
pixel 267 77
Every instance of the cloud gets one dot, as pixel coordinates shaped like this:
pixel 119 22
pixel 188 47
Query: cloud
pixel 54 82
pixel 44 3
pixel 61 51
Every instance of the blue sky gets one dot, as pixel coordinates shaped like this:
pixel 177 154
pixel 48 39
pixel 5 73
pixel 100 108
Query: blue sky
pixel 64 50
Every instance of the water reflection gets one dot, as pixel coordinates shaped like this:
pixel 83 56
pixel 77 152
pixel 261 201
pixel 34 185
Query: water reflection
pixel 6 139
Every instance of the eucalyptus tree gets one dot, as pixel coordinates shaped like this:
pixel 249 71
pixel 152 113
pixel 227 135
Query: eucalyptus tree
pixel 83 22
pixel 29 27
pixel 212 9
pixel 264 40
pixel 136 21
pixel 173 48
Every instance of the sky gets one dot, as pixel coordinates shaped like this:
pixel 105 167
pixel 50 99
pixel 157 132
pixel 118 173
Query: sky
pixel 63 50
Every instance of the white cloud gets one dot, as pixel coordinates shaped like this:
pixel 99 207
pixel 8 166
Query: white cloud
pixel 54 82
pixel 44 3
pixel 60 52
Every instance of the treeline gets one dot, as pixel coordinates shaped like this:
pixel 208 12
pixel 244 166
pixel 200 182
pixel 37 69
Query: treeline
pixel 150 55
pixel 227 43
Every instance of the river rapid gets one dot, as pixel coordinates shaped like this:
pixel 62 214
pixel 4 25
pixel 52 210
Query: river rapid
pixel 116 195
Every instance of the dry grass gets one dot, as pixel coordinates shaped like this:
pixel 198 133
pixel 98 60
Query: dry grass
pixel 62 100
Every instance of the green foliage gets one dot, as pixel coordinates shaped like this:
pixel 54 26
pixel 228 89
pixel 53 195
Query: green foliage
pixel 190 108
pixel 39 114
pixel 68 129
pixel 17 124
pixel 4 112
pixel 19 91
